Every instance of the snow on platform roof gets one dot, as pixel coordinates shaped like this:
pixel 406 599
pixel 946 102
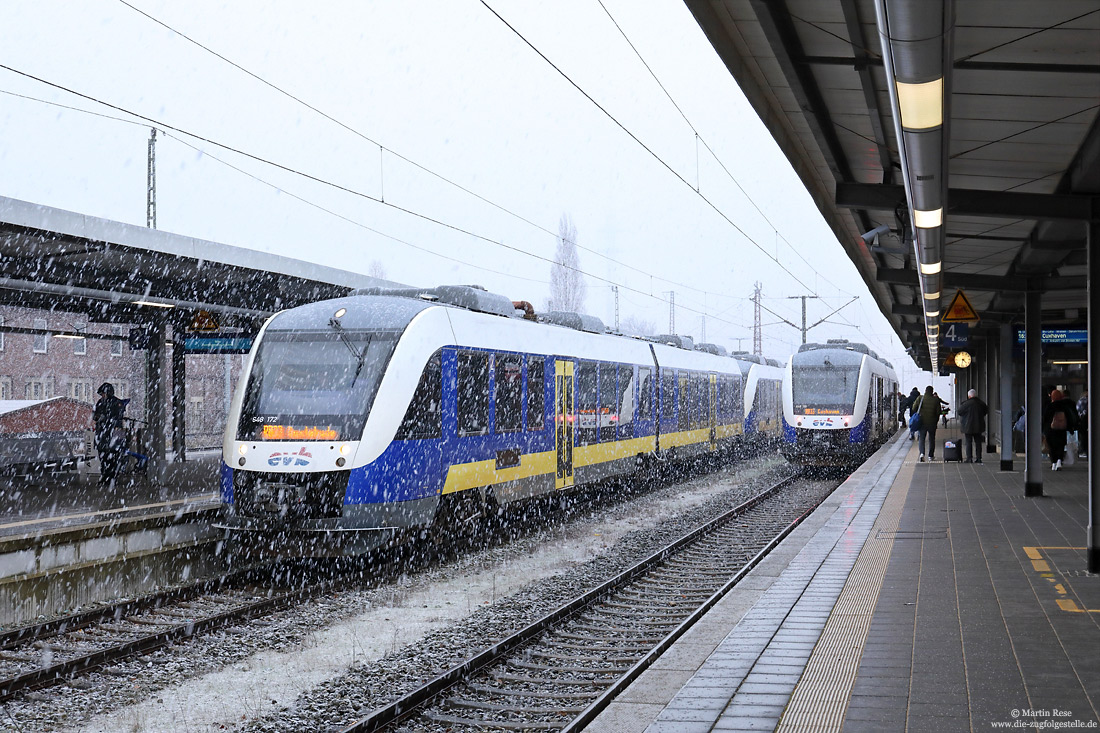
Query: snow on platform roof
pixel 66 260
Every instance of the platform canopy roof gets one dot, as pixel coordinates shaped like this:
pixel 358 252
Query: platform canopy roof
pixel 56 259
pixel 995 105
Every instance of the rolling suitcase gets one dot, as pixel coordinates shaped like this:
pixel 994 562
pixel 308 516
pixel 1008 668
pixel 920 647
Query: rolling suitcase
pixel 952 452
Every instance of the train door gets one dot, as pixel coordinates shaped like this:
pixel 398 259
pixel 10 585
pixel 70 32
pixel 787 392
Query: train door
pixel 880 426
pixel 712 409
pixel 564 418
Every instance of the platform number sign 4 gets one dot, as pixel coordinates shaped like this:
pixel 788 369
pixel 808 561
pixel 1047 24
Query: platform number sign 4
pixel 956 334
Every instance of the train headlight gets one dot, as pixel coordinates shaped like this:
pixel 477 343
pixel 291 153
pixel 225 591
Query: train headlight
pixel 340 462
pixel 241 461
pixel 242 449
pixel 345 449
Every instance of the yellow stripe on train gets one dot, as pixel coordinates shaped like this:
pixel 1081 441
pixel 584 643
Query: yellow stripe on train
pixel 462 476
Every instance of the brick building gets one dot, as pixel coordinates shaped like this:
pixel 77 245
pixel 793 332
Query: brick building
pixel 36 365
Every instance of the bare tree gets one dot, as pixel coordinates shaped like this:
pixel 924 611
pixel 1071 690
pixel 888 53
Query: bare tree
pixel 633 326
pixel 567 288
pixel 377 270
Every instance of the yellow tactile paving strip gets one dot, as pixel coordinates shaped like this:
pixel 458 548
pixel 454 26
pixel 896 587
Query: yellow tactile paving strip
pixel 820 699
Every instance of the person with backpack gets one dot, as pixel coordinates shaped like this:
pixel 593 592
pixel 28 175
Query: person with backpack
pixel 928 407
pixel 1059 417
pixel 909 403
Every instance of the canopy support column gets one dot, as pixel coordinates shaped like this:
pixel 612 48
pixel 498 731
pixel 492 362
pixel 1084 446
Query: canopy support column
pixel 1033 398
pixel 1007 413
pixel 1093 545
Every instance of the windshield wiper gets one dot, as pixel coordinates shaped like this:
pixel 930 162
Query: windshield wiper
pixel 359 354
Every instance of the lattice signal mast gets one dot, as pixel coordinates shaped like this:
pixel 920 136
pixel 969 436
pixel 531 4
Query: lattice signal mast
pixel 757 335
pixel 151 183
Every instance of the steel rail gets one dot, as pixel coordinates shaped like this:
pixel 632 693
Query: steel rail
pixel 72 622
pixel 61 671
pixel 404 706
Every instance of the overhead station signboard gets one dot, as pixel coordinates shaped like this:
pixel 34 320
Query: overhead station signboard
pixel 1059 336
pixel 204 336
pixel 217 343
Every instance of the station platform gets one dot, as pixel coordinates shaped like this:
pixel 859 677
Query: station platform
pixel 36 504
pixel 920 596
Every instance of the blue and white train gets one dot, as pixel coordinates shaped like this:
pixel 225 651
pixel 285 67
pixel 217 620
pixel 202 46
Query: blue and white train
pixel 840 402
pixel 360 419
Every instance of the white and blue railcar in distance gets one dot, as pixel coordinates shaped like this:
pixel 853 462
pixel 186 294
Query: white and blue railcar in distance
pixel 763 400
pixel 840 402
pixel 361 419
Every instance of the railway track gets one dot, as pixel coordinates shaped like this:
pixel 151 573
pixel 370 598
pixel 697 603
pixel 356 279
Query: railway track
pixel 61 650
pixel 34 657
pixel 559 672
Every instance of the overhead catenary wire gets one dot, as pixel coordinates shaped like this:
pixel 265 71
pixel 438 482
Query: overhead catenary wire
pixel 700 139
pixel 281 189
pixel 384 149
pixel 645 147
pixel 323 182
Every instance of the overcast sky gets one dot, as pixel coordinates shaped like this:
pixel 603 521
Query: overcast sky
pixel 476 144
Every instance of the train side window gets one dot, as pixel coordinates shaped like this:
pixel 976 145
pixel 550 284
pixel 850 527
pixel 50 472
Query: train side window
pixel 609 408
pixel 726 396
pixel 702 406
pixel 586 404
pixel 645 393
pixel 719 397
pixel 685 400
pixel 536 394
pixel 668 395
pixel 626 401
pixel 473 393
pixel 509 393
pixel 424 416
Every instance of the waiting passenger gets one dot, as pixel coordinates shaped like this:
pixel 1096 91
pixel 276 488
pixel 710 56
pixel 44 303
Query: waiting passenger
pixel 110 439
pixel 910 403
pixel 1059 418
pixel 972 414
pixel 928 405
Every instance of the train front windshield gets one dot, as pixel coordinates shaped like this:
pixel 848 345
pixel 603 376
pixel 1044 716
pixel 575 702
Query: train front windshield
pixel 313 386
pixel 824 390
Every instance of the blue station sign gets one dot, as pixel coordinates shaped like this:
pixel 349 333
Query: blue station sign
pixel 1059 336
pixel 956 335
pixel 212 343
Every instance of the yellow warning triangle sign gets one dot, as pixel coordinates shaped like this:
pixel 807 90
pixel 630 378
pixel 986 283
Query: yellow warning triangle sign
pixel 960 310
pixel 203 322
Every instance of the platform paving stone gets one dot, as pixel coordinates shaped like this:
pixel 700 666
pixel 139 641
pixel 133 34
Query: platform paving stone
pixel 966 628
pixel 777 636
pixel 987 635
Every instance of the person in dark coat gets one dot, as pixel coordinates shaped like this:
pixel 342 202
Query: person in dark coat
pixel 1059 417
pixel 109 441
pixel 910 403
pixel 972 414
pixel 928 405
pixel 1083 425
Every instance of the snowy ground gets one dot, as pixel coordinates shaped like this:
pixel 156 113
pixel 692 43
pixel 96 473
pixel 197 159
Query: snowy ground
pixel 399 615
